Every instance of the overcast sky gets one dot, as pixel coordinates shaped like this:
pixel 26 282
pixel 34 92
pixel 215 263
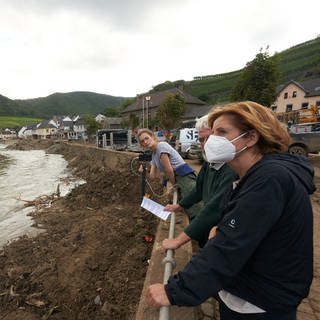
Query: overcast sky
pixel 124 47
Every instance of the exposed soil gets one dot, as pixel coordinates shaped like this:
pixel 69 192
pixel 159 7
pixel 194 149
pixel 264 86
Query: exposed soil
pixel 90 262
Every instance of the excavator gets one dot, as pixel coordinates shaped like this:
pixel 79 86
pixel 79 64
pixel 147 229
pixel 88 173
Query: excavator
pixel 305 135
pixel 308 115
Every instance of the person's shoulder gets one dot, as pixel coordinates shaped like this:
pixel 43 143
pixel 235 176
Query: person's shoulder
pixel 273 168
pixel 227 171
pixel 164 145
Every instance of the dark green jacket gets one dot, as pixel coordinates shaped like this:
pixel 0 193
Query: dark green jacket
pixel 211 186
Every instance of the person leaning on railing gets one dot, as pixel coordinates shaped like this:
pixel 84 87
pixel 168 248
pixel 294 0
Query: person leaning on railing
pixel 167 160
pixel 260 262
pixel 212 183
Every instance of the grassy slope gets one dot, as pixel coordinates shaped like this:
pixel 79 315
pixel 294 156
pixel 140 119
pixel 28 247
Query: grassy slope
pixel 12 122
pixel 299 63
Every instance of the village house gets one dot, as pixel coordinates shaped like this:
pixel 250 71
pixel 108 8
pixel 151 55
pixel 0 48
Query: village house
pixel 112 123
pixel 100 118
pixel 64 128
pixel 7 134
pixel 79 128
pixel 46 129
pixel 294 96
pixel 71 128
pixel 28 132
pixel 146 105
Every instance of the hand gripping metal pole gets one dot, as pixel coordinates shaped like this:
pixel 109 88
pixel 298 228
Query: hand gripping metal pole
pixel 169 262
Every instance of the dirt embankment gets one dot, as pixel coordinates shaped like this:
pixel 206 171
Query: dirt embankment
pixel 91 261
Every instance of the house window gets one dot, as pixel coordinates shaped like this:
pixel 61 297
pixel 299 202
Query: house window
pixel 289 107
pixel 286 95
pixel 274 108
pixel 294 94
pixel 304 105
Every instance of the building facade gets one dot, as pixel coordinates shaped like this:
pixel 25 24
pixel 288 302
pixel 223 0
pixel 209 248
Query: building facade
pixel 146 105
pixel 297 96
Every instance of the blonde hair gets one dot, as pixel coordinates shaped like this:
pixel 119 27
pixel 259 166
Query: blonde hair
pixel 148 132
pixel 248 115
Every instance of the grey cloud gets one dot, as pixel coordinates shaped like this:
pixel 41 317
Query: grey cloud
pixel 121 13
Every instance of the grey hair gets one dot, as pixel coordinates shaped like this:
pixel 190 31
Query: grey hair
pixel 202 123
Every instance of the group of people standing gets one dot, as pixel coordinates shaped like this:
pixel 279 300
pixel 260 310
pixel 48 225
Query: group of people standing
pixel 249 210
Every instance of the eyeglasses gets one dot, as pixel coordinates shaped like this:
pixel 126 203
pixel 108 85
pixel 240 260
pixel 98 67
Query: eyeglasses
pixel 202 140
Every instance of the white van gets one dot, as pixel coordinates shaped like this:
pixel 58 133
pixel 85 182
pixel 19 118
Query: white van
pixel 185 138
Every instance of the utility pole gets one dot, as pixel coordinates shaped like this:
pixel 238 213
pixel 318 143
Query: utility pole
pixel 147 109
pixel 142 113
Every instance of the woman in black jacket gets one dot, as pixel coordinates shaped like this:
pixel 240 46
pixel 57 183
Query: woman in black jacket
pixel 259 263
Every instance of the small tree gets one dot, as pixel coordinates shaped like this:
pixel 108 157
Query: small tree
pixel 112 112
pixel 133 121
pixel 91 126
pixel 126 103
pixel 258 80
pixel 170 111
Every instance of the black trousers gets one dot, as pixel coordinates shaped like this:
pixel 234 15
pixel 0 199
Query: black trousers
pixel 227 314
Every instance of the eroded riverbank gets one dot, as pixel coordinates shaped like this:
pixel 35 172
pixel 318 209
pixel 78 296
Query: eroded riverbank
pixel 27 175
pixel 91 261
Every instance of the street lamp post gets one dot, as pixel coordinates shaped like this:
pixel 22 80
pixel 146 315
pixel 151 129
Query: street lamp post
pixel 147 109
pixel 142 113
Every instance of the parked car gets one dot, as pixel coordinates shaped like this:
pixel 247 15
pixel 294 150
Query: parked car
pixel 305 127
pixel 305 143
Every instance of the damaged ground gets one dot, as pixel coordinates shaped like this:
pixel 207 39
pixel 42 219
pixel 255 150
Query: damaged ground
pixel 91 260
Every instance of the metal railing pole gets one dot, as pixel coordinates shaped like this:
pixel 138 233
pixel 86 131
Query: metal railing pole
pixel 104 140
pixel 169 262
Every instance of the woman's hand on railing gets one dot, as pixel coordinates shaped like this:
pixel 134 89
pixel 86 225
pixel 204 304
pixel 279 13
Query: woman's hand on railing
pixel 175 243
pixel 213 232
pixel 156 296
pixel 168 244
pixel 172 207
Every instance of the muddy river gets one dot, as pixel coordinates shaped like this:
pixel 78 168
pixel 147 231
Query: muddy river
pixel 28 175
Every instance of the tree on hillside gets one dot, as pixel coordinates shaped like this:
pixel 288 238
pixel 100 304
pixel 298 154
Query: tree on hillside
pixel 170 111
pixel 167 85
pixel 112 112
pixel 91 126
pixel 133 121
pixel 126 102
pixel 258 80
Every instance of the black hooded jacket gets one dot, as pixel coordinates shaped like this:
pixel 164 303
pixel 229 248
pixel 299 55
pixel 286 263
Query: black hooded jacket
pixel 263 249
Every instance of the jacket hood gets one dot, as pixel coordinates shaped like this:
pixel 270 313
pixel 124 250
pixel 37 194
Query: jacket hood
pixel 298 166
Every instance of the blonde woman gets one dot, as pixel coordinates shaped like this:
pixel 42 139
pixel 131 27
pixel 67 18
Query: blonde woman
pixel 167 160
pixel 259 263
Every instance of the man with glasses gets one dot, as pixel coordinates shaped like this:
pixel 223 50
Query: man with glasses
pixel 212 183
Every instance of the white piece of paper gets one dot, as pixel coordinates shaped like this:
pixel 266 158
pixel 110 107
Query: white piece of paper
pixel 155 208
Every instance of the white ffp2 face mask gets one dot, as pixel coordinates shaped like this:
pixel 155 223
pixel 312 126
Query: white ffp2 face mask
pixel 220 149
